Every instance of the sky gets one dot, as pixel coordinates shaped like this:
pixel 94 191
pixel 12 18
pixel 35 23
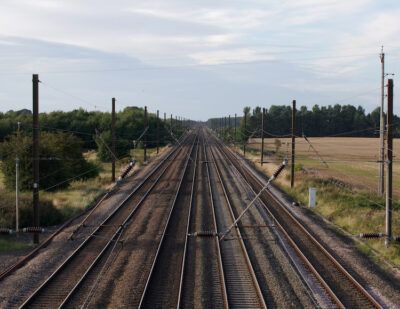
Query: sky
pixel 196 59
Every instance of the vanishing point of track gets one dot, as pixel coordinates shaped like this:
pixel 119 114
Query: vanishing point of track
pixel 186 264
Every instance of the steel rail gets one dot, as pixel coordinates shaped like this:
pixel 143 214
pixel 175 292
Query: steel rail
pixel 33 253
pixel 237 230
pixel 245 175
pixel 187 227
pixel 155 260
pixel 200 165
pixel 92 236
pixel 220 266
pixel 292 243
pixel 120 230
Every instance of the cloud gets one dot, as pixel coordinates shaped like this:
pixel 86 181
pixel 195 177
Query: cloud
pixel 168 48
pixel 230 56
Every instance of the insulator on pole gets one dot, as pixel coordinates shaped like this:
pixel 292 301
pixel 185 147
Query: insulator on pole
pixel 127 169
pixel 279 170
pixel 396 238
pixel 33 229
pixel 372 235
pixel 5 231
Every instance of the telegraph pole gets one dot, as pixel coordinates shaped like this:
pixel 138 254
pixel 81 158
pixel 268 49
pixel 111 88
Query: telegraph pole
pixel 145 135
pixel 293 141
pixel 382 129
pixel 158 130
pixel 245 134
pixel 165 119
pixel 262 137
pixel 389 154
pixel 113 140
pixel 17 187
pixel 36 145
pixel 235 128
pixel 229 125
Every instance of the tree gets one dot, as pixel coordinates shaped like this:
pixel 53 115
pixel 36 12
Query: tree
pixel 122 147
pixel 61 160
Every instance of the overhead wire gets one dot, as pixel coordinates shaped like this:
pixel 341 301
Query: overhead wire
pixel 69 94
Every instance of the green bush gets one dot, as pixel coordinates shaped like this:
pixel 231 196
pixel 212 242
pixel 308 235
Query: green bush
pixel 61 161
pixel 122 147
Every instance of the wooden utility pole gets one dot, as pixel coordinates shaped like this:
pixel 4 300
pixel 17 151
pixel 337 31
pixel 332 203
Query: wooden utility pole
pixel 165 119
pixel 293 141
pixel 36 145
pixel 171 122
pixel 382 129
pixel 17 194
pixel 245 134
pixel 145 135
pixel 262 137
pixel 113 140
pixel 17 187
pixel 389 154
pixel 158 130
pixel 235 128
pixel 229 125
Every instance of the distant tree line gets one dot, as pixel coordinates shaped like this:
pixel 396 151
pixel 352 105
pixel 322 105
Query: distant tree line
pixel 341 120
pixel 66 135
pixel 83 124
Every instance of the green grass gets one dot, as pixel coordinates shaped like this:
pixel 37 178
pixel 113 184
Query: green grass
pixel 353 210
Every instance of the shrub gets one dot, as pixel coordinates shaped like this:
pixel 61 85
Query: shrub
pixel 61 161
pixel 122 147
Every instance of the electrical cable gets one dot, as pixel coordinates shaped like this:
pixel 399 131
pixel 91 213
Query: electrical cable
pixel 70 95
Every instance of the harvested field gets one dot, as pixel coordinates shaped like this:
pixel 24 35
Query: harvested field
pixel 352 160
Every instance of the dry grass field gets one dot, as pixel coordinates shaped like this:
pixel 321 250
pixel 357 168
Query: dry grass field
pixel 352 160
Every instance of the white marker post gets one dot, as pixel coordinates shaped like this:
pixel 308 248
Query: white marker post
pixel 312 196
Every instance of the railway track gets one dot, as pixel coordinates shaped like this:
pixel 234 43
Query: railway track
pixel 162 288
pixel 242 287
pixel 343 288
pixel 280 282
pixel 125 281
pixel 80 267
pixel 146 253
pixel 203 282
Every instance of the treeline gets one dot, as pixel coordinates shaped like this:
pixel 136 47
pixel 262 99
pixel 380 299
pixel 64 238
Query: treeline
pixel 64 136
pixel 83 124
pixel 341 120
